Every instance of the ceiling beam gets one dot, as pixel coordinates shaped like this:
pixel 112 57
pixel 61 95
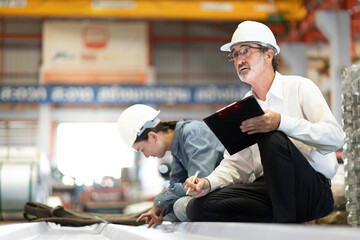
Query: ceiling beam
pixel 160 9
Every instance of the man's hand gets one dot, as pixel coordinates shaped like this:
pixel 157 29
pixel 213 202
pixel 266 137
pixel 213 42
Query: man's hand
pixel 153 216
pixel 199 188
pixel 267 122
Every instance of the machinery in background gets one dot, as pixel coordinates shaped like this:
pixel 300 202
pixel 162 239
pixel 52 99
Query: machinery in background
pixel 24 177
pixel 103 200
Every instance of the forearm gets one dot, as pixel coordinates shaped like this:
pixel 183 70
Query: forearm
pixel 232 170
pixel 170 195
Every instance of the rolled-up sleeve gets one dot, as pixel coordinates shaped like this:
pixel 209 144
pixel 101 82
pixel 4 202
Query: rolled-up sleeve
pixel 233 169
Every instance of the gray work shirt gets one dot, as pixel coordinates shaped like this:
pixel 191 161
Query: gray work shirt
pixel 194 147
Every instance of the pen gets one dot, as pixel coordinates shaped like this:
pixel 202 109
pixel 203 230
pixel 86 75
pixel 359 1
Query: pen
pixel 195 176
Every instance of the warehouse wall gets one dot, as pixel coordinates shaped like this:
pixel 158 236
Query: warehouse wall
pixel 182 53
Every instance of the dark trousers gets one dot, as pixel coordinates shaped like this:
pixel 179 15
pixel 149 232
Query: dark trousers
pixel 291 190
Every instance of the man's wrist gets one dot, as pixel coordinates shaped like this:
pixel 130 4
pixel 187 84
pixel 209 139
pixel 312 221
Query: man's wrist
pixel 207 184
pixel 213 182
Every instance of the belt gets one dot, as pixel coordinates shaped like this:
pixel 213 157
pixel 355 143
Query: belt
pixel 325 179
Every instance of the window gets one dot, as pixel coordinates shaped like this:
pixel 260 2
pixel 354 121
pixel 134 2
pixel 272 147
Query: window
pixel 91 150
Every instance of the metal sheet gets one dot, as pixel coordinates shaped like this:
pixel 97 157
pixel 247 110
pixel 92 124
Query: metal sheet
pixel 24 176
pixel 17 187
pixel 179 231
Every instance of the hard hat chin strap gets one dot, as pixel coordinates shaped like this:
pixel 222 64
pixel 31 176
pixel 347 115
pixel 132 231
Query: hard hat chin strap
pixel 149 124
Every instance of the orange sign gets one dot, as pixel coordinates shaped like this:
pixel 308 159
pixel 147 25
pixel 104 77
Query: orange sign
pixel 83 52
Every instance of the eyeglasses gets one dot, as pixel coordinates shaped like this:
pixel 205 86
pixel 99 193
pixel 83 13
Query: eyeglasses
pixel 243 52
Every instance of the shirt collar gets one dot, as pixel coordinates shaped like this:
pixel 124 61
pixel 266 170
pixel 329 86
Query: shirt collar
pixel 276 87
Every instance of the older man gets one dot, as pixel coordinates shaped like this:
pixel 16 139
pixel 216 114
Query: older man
pixel 293 160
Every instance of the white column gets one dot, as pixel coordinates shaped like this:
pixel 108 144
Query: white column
pixel 44 128
pixel 294 55
pixel 335 25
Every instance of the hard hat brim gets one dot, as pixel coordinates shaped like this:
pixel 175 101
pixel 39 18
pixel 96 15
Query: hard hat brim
pixel 226 47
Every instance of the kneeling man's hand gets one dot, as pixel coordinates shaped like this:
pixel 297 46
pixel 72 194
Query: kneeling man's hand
pixel 199 188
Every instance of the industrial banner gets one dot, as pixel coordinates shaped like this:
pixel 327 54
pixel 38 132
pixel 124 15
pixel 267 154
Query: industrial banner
pixel 94 52
pixel 121 94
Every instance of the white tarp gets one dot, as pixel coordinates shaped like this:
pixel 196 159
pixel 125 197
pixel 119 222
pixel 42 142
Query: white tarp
pixel 179 231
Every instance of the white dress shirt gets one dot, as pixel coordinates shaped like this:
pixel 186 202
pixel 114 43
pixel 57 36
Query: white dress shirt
pixel 305 118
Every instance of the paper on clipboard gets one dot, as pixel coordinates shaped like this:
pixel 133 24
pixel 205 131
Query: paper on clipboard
pixel 225 124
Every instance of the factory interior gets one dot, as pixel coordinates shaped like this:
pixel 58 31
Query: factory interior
pixel 68 69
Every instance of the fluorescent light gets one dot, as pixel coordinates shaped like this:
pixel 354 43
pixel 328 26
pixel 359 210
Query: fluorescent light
pixel 217 6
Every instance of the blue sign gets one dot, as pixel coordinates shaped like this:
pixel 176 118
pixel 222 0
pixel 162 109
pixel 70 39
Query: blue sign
pixel 121 94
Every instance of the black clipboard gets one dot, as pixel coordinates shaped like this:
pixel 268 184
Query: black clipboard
pixel 225 124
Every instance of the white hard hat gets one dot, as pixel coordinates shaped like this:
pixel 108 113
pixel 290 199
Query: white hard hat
pixel 251 31
pixel 134 120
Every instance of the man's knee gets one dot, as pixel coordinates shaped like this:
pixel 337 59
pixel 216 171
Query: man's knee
pixel 272 140
pixel 193 210
pixel 272 137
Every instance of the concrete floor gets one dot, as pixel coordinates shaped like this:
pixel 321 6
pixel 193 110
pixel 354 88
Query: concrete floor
pixel 179 231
